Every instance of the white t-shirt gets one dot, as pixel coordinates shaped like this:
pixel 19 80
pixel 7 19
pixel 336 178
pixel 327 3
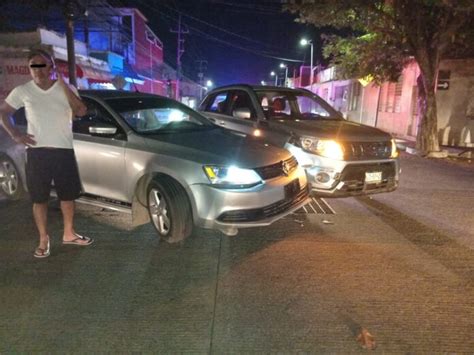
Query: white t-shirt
pixel 48 113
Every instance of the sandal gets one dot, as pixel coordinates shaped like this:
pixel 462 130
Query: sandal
pixel 79 240
pixel 42 252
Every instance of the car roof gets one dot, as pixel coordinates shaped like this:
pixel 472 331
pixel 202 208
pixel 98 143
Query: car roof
pixel 112 94
pixel 258 87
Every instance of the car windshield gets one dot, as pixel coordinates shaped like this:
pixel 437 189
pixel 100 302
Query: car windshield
pixel 150 115
pixel 292 105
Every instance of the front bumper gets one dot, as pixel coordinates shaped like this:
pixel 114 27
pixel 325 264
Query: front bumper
pixel 218 208
pixel 336 178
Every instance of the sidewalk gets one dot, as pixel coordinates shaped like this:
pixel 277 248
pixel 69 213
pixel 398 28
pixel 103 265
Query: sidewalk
pixel 457 153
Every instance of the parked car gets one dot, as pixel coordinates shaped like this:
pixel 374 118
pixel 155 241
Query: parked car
pixel 162 160
pixel 341 158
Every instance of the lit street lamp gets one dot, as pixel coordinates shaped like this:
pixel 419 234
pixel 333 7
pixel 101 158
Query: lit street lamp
pixel 263 82
pixel 305 42
pixel 282 65
pixel 276 77
pixel 209 84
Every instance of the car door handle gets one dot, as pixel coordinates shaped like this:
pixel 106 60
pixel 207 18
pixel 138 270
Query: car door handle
pixel 212 119
pixel 222 123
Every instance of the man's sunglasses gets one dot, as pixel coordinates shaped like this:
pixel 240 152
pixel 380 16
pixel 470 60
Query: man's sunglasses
pixel 38 65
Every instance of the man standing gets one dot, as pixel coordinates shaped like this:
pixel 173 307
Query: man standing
pixel 50 105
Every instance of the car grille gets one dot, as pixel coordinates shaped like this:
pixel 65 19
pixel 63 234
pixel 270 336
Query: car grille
pixel 367 150
pixel 276 170
pixel 257 214
pixel 353 177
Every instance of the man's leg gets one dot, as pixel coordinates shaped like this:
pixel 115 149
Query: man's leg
pixel 67 208
pixel 40 214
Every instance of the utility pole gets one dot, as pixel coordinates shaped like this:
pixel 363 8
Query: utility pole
pixel 179 53
pixel 70 14
pixel 202 65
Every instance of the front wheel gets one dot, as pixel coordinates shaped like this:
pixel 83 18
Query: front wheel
pixel 10 181
pixel 169 209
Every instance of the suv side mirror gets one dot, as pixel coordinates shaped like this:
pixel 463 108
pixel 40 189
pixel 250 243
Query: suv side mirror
pixel 242 112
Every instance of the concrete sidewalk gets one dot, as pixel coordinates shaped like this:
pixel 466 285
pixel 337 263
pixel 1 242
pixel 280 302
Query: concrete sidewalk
pixel 458 153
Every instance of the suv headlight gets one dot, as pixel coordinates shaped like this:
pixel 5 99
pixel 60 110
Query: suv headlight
pixel 232 176
pixel 325 147
pixel 394 153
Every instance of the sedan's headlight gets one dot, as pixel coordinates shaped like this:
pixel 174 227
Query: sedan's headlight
pixel 232 176
pixel 394 153
pixel 325 147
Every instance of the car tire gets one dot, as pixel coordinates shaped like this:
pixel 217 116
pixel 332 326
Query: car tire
pixel 169 210
pixel 11 185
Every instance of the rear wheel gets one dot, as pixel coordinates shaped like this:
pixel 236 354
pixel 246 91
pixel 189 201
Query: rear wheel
pixel 10 181
pixel 169 209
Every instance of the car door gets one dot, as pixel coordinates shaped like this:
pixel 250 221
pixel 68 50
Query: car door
pixel 100 158
pixel 233 110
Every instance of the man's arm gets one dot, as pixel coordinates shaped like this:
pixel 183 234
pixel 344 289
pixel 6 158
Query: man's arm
pixel 5 112
pixel 77 106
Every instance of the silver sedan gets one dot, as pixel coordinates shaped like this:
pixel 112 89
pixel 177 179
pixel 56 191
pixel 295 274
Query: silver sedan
pixel 163 161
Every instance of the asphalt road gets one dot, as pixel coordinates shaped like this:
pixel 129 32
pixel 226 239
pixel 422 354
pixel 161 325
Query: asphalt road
pixel 398 266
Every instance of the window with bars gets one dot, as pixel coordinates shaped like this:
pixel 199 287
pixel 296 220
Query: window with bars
pixel 391 96
pixel 355 95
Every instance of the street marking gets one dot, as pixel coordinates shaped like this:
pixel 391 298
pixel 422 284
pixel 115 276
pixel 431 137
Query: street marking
pixel 317 206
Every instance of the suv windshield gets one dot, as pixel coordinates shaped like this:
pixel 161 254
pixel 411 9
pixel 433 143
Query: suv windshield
pixel 289 105
pixel 158 115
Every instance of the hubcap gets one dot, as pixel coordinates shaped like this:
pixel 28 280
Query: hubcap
pixel 159 211
pixel 8 178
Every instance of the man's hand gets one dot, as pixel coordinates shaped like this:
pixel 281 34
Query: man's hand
pixel 26 139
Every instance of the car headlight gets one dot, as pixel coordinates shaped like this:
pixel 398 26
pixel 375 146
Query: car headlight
pixel 394 153
pixel 325 147
pixel 232 176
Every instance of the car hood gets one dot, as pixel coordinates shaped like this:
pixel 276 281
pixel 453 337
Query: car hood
pixel 333 129
pixel 217 146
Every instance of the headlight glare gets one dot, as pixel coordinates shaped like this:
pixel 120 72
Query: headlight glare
pixel 324 147
pixel 232 176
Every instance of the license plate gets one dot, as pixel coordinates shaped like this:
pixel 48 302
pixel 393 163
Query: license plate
pixel 373 177
pixel 292 189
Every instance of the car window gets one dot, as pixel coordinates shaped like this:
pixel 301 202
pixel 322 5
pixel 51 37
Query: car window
pixel 240 100
pixel 96 114
pixel 158 115
pixel 294 105
pixel 217 103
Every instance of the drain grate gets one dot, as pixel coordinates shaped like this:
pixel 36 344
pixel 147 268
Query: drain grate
pixel 317 206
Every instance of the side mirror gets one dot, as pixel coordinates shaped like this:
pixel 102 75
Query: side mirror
pixel 242 112
pixel 103 129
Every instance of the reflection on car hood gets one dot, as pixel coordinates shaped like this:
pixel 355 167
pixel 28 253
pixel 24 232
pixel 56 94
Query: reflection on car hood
pixel 333 129
pixel 217 146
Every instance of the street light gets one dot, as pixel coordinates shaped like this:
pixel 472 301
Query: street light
pixel 305 42
pixel 263 82
pixel 282 65
pixel 276 77
pixel 209 84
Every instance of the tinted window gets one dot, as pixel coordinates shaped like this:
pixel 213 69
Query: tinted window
pixel 96 114
pixel 294 105
pixel 217 103
pixel 241 100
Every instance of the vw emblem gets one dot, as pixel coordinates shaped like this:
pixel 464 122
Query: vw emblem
pixel 285 167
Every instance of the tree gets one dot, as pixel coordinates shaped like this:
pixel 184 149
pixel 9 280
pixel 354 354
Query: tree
pixel 386 34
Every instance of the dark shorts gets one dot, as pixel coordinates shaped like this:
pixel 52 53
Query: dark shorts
pixel 52 166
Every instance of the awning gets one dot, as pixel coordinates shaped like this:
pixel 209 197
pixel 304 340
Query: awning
pixel 92 74
pixel 63 68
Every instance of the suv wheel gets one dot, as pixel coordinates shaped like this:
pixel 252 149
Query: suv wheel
pixel 10 181
pixel 169 209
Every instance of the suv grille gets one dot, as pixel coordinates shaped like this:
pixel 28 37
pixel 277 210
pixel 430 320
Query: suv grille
pixel 367 150
pixel 275 170
pixel 258 214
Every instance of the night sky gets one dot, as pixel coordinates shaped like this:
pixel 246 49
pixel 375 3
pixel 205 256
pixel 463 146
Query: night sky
pixel 241 41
